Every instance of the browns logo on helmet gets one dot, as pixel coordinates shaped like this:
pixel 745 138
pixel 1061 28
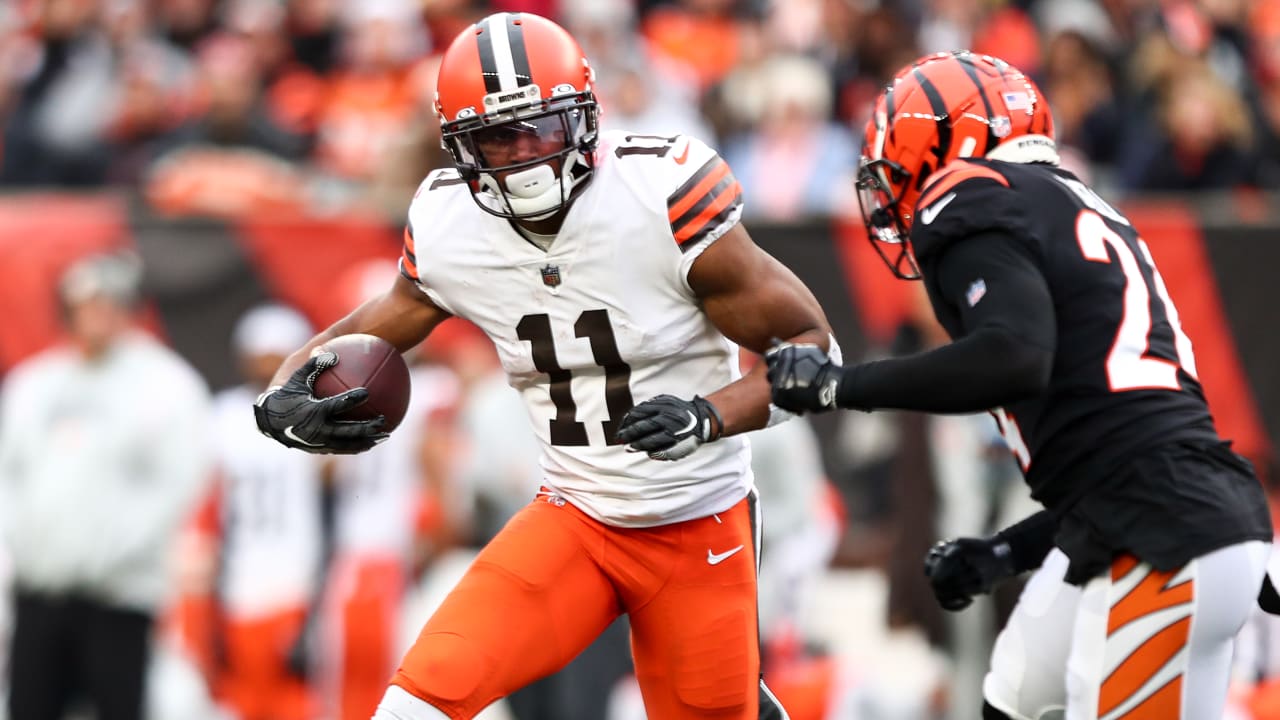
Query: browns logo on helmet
pixel 941 108
pixel 518 114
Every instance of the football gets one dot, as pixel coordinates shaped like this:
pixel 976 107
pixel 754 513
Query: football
pixel 372 363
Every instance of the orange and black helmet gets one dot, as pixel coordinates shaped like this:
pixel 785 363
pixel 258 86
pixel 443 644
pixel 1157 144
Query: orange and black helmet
pixel 518 114
pixel 940 108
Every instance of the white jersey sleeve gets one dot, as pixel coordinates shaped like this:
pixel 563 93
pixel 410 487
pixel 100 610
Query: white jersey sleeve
pixel 702 198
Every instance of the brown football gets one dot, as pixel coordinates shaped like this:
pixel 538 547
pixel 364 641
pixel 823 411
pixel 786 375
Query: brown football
pixel 372 363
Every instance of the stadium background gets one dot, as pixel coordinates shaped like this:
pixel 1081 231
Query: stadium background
pixel 266 149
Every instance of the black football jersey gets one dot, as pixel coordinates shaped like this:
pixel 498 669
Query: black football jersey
pixel 1124 376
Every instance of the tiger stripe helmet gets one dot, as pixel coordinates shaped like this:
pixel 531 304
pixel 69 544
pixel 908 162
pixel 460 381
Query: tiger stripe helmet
pixel 518 80
pixel 938 109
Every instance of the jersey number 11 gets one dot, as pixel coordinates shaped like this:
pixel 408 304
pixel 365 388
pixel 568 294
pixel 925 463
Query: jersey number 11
pixel 595 326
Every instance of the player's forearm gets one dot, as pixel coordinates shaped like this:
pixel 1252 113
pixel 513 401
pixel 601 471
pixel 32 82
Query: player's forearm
pixel 987 369
pixel 402 316
pixel 744 404
pixel 1030 540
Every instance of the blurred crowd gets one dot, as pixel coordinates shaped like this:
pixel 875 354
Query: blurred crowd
pixel 239 106
pixel 299 581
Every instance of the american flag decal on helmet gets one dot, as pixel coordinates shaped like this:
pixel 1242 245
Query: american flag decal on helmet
pixel 550 275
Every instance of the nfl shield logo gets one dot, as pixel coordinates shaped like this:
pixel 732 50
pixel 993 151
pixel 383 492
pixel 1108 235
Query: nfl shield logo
pixel 551 275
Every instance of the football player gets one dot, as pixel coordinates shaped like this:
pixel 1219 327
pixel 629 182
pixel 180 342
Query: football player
pixel 1062 327
pixel 612 275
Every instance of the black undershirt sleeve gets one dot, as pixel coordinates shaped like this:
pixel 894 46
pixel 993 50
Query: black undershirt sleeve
pixel 1005 352
pixel 1030 540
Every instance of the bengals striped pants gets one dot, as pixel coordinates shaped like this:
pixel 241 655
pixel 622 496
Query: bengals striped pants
pixel 1135 643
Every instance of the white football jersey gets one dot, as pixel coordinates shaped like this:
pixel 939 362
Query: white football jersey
pixel 601 320
pixel 270 513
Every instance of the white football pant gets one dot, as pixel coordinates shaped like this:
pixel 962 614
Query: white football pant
pixel 1132 640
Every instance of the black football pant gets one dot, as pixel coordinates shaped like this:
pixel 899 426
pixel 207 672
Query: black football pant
pixel 70 648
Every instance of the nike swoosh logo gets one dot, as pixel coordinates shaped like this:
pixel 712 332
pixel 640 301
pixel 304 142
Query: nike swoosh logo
pixel 693 422
pixel 716 559
pixel 288 432
pixel 682 157
pixel 930 213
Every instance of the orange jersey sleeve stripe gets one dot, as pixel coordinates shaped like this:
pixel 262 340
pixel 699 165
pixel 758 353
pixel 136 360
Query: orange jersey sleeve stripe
pixel 409 258
pixel 696 188
pixel 711 217
pixel 947 182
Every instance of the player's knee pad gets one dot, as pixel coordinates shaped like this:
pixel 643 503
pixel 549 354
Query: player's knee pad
pixel 446 667
pixel 398 704
pixel 705 678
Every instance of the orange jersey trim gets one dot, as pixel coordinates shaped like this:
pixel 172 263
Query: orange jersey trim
pixel 712 216
pixel 696 188
pixel 703 202
pixel 408 257
pixel 951 178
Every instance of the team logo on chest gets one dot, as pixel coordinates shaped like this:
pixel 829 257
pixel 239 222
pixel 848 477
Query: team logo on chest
pixel 550 275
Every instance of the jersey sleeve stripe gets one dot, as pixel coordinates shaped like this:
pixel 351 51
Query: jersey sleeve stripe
pixel 705 200
pixel 948 181
pixel 409 258
pixel 718 211
pixel 693 189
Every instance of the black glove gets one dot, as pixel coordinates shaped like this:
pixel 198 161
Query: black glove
pixel 293 416
pixel 669 428
pixel 1268 598
pixel 803 377
pixel 960 568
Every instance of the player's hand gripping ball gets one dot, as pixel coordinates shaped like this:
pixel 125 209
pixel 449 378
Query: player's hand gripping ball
pixel 323 410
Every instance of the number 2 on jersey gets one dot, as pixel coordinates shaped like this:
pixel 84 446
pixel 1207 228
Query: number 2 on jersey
pixel 594 325
pixel 1128 365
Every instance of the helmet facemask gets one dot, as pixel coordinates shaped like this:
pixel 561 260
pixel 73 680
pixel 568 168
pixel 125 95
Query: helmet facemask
pixel 558 135
pixel 880 204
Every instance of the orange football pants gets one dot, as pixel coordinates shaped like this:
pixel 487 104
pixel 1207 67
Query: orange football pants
pixel 254 679
pixel 367 594
pixel 554 578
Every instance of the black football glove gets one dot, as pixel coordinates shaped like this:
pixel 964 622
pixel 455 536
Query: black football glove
pixel 669 428
pixel 292 415
pixel 1268 598
pixel 803 377
pixel 960 568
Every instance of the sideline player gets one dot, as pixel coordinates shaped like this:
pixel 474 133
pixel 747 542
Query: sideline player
pixel 608 269
pixel 1059 317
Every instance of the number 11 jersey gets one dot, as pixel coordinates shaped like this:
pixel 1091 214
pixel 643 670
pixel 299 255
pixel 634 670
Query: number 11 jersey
pixel 600 320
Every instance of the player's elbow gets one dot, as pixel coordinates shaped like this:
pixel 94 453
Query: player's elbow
pixel 1025 368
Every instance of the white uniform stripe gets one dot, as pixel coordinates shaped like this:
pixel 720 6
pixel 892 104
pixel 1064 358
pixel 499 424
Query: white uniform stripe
pixel 502 52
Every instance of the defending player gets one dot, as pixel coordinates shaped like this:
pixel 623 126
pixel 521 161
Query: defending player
pixel 607 268
pixel 1059 317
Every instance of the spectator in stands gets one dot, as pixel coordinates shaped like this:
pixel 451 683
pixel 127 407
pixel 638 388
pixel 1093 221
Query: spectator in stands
pixel 56 129
pixel 796 164
pixel 233 158
pixel 370 100
pixel 1205 137
pixel 103 452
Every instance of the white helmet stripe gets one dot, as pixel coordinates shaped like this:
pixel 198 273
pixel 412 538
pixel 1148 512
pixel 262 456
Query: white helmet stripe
pixel 502 51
